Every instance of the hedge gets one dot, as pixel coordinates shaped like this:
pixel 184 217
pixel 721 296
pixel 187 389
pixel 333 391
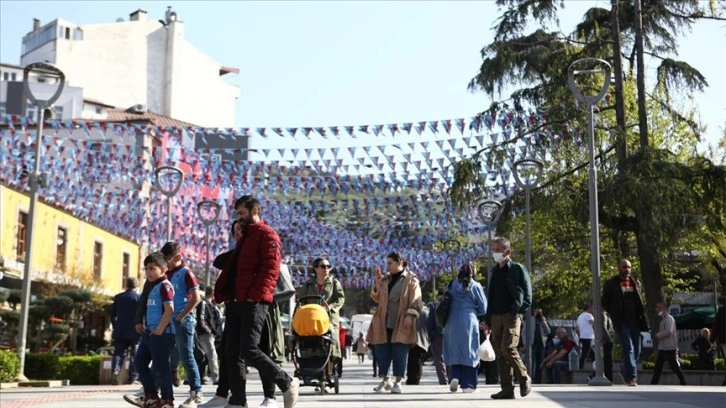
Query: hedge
pixel 42 366
pixel 9 365
pixel 80 370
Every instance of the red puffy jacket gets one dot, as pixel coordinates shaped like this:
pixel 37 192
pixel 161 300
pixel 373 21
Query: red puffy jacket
pixel 258 265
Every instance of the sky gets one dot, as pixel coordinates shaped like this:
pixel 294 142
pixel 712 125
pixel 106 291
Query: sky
pixel 351 63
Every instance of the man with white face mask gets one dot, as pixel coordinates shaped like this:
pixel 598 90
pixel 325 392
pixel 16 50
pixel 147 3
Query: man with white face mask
pixel 510 295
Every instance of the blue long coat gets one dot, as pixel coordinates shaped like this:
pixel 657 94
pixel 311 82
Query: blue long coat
pixel 461 334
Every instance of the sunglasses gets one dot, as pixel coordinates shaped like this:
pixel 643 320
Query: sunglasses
pixel 324 266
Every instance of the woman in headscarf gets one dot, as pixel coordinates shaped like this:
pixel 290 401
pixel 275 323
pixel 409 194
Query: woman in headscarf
pixel 461 333
pixel 393 327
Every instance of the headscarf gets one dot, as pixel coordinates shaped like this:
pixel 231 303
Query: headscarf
pixel 467 272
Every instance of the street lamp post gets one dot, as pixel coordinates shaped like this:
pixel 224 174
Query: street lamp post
pixel 169 180
pixel 591 101
pixel 208 212
pixel 36 180
pixel 527 174
pixel 489 212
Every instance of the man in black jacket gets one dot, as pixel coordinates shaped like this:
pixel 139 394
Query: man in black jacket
pixel 124 335
pixel 621 298
pixel 510 296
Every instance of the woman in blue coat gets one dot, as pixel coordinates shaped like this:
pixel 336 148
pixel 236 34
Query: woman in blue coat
pixel 461 333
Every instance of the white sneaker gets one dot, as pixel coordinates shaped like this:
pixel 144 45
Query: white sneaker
pixel 289 397
pixel 385 385
pixel 195 397
pixel 269 403
pixel 454 385
pixel 396 389
pixel 215 402
pixel 468 390
pixel 135 399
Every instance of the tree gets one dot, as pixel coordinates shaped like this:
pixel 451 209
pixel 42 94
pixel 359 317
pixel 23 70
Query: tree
pixel 538 61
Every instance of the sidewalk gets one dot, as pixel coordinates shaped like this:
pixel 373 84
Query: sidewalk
pixel 356 390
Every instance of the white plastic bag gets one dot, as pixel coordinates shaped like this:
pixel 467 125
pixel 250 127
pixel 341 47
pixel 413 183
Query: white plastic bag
pixel 486 351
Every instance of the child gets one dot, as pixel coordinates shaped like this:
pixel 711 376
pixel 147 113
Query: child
pixel 158 338
pixel 186 298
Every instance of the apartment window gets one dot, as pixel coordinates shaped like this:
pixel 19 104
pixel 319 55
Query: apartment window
pixel 99 110
pixel 6 76
pixel 60 249
pixel 21 243
pixel 57 112
pixel 68 33
pixel 32 111
pixel 125 265
pixel 97 259
pixel 14 76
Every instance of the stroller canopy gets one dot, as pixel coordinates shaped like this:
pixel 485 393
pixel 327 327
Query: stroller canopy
pixel 311 320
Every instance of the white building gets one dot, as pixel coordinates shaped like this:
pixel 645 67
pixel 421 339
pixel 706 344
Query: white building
pixel 139 63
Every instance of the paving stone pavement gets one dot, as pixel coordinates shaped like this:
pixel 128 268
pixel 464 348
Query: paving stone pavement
pixel 356 390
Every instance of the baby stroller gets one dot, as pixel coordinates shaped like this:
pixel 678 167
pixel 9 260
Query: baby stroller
pixel 312 344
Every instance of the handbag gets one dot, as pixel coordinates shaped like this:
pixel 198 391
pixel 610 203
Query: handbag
pixel 284 289
pixel 443 309
pixel 486 351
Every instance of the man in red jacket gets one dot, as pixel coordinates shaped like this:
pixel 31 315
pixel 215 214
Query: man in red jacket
pixel 253 274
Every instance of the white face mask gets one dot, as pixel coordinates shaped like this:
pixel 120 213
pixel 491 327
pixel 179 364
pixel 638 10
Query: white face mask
pixel 498 257
pixel 556 341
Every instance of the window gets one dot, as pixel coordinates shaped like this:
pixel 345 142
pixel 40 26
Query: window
pixel 99 110
pixel 68 33
pixel 57 112
pixel 6 76
pixel 2 109
pixel 97 259
pixel 21 243
pixel 60 249
pixel 32 111
pixel 126 260
pixel 14 76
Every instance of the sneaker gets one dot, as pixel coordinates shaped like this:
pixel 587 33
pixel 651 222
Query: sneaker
pixel 152 401
pixel 166 404
pixel 215 402
pixel 195 397
pixel 525 386
pixel 468 390
pixel 454 385
pixel 396 389
pixel 385 385
pixel 175 379
pixel 503 395
pixel 289 397
pixel 269 403
pixel 632 383
pixel 135 399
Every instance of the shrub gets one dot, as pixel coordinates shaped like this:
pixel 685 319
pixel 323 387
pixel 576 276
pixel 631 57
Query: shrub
pixel 80 370
pixel 9 365
pixel 648 365
pixel 41 366
pixel 720 364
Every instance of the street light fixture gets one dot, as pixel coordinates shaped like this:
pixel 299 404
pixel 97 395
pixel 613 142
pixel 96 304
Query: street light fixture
pixel 36 180
pixel 527 173
pixel 208 212
pixel 169 180
pixel 601 68
pixel 489 213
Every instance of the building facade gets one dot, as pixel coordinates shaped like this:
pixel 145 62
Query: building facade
pixel 143 63
pixel 66 249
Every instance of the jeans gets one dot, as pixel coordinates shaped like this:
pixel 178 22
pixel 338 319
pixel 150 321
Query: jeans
pixel 392 352
pixel 120 347
pixel 585 347
pixel 630 343
pixel 437 352
pixel 505 338
pixel 414 370
pixel 554 373
pixel 157 349
pixel 670 356
pixel 466 375
pixel 244 323
pixel 206 342
pixel 185 351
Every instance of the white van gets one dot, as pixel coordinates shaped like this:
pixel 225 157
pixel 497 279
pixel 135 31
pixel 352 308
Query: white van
pixel 359 324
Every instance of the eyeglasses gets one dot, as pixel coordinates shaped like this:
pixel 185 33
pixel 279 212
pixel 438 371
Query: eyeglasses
pixel 324 266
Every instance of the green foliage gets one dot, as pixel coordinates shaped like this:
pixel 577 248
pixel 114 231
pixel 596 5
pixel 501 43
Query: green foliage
pixel 80 370
pixel 15 297
pixel 4 294
pixel 42 366
pixel 10 316
pixel 77 296
pixel 54 333
pixel 58 305
pixel 9 365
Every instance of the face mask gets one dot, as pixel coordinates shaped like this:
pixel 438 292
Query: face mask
pixel 555 341
pixel 498 257
pixel 661 314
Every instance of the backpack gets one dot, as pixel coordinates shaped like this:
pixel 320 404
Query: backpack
pixel 216 322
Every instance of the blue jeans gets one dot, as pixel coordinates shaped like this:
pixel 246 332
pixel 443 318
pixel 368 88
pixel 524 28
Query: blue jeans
pixel 554 375
pixel 156 349
pixel 392 352
pixel 630 343
pixel 185 351
pixel 120 348
pixel 466 375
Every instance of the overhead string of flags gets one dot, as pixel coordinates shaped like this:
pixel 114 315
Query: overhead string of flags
pixel 390 192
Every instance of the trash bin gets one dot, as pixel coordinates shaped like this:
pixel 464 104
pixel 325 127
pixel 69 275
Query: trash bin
pixel 105 373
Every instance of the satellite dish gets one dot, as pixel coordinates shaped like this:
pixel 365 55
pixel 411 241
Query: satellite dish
pixel 120 20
